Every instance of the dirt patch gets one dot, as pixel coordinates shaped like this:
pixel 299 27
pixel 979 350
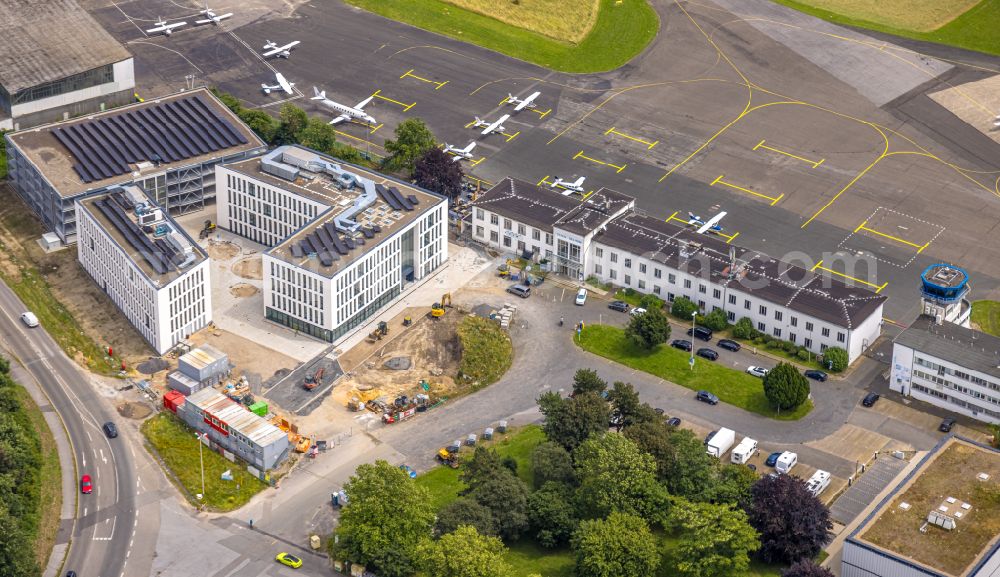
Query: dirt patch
pixel 251 268
pixel 152 366
pixel 246 355
pixel 243 290
pixel 223 250
pixel 137 411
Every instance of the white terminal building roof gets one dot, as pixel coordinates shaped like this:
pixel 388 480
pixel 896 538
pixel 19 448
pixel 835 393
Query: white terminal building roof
pixel 257 429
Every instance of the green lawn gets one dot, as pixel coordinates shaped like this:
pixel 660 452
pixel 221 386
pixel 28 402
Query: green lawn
pixel 176 444
pixel 733 387
pixel 623 29
pixel 527 558
pixel 986 315
pixel 976 29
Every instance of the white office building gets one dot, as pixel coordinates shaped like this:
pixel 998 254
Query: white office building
pixel 607 238
pixel 148 266
pixel 345 242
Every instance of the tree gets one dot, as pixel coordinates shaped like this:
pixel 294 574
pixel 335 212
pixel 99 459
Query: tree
pixel 465 511
pixel 650 302
pixel 15 561
pixel 733 484
pixel 485 464
pixel 682 308
pixel 384 538
pixel 506 497
pixel 587 381
pixel 570 422
pixel 551 462
pixel 436 171
pixel 413 139
pixel 318 136
pixel 835 359
pixel 715 320
pixel 292 120
pixel 785 387
pixel 681 462
pixel 792 522
pixel 231 102
pixel 625 400
pixel 551 515
pixel 649 329
pixel 712 540
pixel 616 475
pixel 465 553
pixel 806 568
pixel 744 329
pixel 620 545
pixel 262 123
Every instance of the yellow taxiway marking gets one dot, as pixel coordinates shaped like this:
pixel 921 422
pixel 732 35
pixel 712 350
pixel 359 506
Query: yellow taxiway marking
pixel 920 248
pixel 510 136
pixel 372 131
pixel 814 163
pixel 601 162
pixel 544 180
pixel 877 288
pixel 729 237
pixel 586 196
pixel 409 74
pixel 649 145
pixel 482 183
pixel 476 162
pixel 541 114
pixel 674 217
pixel 774 199
pixel 405 106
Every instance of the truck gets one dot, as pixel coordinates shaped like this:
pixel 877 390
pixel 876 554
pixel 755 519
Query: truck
pixel 720 443
pixel 746 449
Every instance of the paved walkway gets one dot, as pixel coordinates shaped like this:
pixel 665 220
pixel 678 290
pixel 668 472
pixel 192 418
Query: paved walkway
pixel 863 491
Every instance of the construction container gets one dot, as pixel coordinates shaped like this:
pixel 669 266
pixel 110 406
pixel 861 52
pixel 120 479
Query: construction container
pixel 184 384
pixel 471 440
pixel 488 434
pixel 455 446
pixel 259 408
pixel 172 400
pixel 502 427
pixel 206 364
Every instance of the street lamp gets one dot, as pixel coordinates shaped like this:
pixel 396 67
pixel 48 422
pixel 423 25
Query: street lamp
pixel 694 315
pixel 202 459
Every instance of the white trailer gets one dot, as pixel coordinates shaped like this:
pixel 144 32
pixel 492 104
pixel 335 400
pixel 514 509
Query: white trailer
pixel 744 451
pixel 721 443
pixel 818 482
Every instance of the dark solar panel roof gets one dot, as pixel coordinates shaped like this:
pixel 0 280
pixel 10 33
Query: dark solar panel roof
pixel 166 132
pixel 157 253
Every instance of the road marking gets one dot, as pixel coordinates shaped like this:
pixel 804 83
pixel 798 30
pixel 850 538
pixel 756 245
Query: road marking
pixel 649 145
pixel 84 511
pixel 482 183
pixel 877 288
pixel 103 458
pixel 920 248
pixel 544 180
pixel 409 74
pixel 406 107
pixel 814 163
pixel 586 196
pixel 84 457
pixel 774 200
pixel 372 131
pixel 601 162
pixel 89 438
pixel 511 136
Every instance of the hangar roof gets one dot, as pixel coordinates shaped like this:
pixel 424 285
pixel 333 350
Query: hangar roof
pixel 35 46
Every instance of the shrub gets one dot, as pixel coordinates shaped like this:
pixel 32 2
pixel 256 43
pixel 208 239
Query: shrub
pixel 743 329
pixel 715 320
pixel 835 359
pixel 789 347
pixel 683 308
pixel 650 302
pixel 803 354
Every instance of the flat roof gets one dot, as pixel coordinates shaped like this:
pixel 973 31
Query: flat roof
pixel 202 356
pixel 380 219
pixel 258 429
pixel 969 348
pixel 47 40
pixel 533 205
pixel 947 482
pixel 171 249
pixel 61 167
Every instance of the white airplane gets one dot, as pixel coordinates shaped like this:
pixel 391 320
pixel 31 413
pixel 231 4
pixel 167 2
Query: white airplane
pixel 346 112
pixel 490 128
pixel 711 225
pixel 211 17
pixel 166 29
pixel 272 49
pixel 282 84
pixel 460 153
pixel 522 103
pixel 569 186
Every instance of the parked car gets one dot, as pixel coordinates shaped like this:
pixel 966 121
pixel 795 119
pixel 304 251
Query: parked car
pixel 772 459
pixel 110 430
pixel 816 375
pixel 71 574
pixel 870 399
pixel 706 353
pixel 729 345
pixel 681 344
pixel 757 371
pixel 707 397
pixel 673 422
pixel 700 333
pixel 620 306
pixel 637 311
pixel 581 297
pixel 659 411
pixel 710 436
pixel 287 559
pixel 29 319
pixel 86 486
pixel 520 290
pixel 947 424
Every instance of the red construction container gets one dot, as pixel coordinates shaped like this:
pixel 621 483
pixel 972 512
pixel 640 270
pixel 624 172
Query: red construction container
pixel 172 400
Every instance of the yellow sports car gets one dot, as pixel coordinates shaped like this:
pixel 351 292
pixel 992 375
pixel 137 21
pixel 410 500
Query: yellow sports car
pixel 290 560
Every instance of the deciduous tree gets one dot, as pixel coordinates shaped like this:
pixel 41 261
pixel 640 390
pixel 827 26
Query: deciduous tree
pixel 835 359
pixel 682 308
pixel 262 123
pixel 318 136
pixel 551 462
pixel 465 553
pixel 785 387
pixel 413 139
pixel 733 485
pixel 506 496
pixel 649 329
pixel 712 540
pixel 792 522
pixel 465 511
pixel 806 568
pixel 616 475
pixel 715 320
pixel 588 381
pixel 292 120
pixel 617 546
pixel 570 422
pixel 552 515
pixel 436 171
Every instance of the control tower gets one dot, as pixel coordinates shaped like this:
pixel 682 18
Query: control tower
pixel 942 294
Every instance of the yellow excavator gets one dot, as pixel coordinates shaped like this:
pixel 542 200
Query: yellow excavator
pixel 438 308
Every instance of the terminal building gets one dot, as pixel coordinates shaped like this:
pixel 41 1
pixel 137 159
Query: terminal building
pixel 939 521
pixel 147 265
pixel 58 63
pixel 167 147
pixel 606 237
pixel 343 242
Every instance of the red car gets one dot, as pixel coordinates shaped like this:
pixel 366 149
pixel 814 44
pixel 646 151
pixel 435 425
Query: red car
pixel 86 487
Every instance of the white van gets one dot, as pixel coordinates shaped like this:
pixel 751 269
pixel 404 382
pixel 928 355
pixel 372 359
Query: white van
pixel 744 451
pixel 581 296
pixel 785 462
pixel 818 482
pixel 29 319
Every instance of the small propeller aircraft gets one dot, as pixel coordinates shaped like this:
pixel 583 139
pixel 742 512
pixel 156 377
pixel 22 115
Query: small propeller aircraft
pixel 163 28
pixel 272 49
pixel 460 153
pixel 569 186
pixel 522 103
pixel 490 128
pixel 211 17
pixel 346 112
pixel 282 84
pixel 711 225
